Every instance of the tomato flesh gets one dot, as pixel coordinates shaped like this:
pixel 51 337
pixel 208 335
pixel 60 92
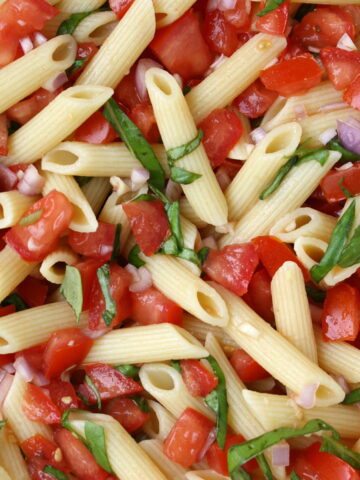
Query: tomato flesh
pixel 150 307
pixel 274 22
pixel 246 367
pixel 342 66
pixel 87 269
pixel 38 407
pixel 198 379
pixel 33 291
pixel 25 110
pixel 96 129
pixel 63 395
pixel 98 244
pixel 33 356
pixel 144 118
pixel 259 291
pixel 255 100
pixel 352 93
pixel 239 14
pixel 3 135
pixel 120 7
pixel 220 35
pixel 331 184
pixel 126 412
pixel 6 311
pixel 126 92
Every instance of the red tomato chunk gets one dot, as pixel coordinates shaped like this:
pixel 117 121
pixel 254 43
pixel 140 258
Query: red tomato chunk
pixel 41 451
pixel 342 66
pixel 63 395
pixel 246 367
pixel 96 129
pixel 98 245
pixel 144 118
pixel 352 93
pixel 38 407
pixel 198 379
pixel 87 269
pixel 255 100
pixel 3 135
pixel 126 412
pixel 33 291
pixel 331 183
pixel 220 35
pixel 259 292
pixel 151 306
pixel 25 110
pixel 274 22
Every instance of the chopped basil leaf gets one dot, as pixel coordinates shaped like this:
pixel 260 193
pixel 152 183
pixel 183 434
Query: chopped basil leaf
pixel 169 247
pixel 294 476
pixel 318 154
pixel 144 197
pixel 71 289
pixel 81 181
pixel 3 423
pixel 184 177
pixel 116 246
pixel 264 467
pixel 66 423
pixel 189 255
pixel 336 245
pixel 69 25
pixel 173 214
pixel 13 127
pixel 315 294
pixel 203 254
pixel 352 397
pixel 174 154
pixel 270 6
pixel 351 253
pixel 135 142
pixel 31 218
pixel 336 448
pixel 187 89
pixel 54 472
pixel 141 402
pixel 217 401
pixel 128 370
pixel 94 390
pixel 279 177
pixel 14 299
pixel 103 274
pixel 344 189
pixel 240 474
pixel 134 258
pixel 346 155
pixel 78 63
pixel 176 364
pixel 159 194
pixel 95 438
pixel 243 452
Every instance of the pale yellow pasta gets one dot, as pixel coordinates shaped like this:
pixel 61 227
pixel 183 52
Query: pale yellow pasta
pixel 297 186
pixel 262 165
pixel 122 47
pixel 13 271
pixel 166 385
pixel 177 128
pixel 244 146
pixel 96 27
pixel 187 210
pixel 200 330
pixel 291 309
pixel 204 475
pixel 160 422
pixel 77 6
pixel 19 423
pixel 83 218
pixel 150 343
pixel 51 26
pixel 288 109
pixel 96 191
pixel 194 295
pixel 273 351
pixel 32 326
pixel 154 448
pixel 4 474
pixel 249 59
pixel 55 122
pixel 28 73
pixel 167 11
pixel 326 2
pixel 10 455
pixel 53 266
pixel 304 222
pixel 191 240
pixel 309 250
pixel 13 205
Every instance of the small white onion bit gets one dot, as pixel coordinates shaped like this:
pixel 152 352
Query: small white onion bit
pixel 142 67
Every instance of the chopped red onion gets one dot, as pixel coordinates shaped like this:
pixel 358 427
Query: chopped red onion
pixel 209 242
pixel 24 369
pixel 94 334
pixel 223 178
pixel 173 191
pixel 55 82
pixel 328 135
pixel 40 380
pixel 5 385
pixel 32 182
pixel 280 455
pixel 349 135
pixel 139 176
pixel 300 112
pixel 314 49
pixel 39 39
pixel 257 135
pixel 345 166
pixel 354 122
pixel 209 441
pixel 345 43
pixel 26 44
pixel 220 5
pixel 9 368
pixel 8 179
pixel 307 397
pixel 142 279
pixel 142 67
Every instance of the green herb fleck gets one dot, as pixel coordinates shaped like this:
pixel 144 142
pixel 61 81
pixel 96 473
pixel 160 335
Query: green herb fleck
pixel 71 289
pixel 103 274
pixel 31 218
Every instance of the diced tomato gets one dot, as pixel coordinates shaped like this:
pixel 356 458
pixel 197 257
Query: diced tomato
pixel 255 100
pixel 331 184
pixel 245 37
pixel 246 367
pixel 149 224
pixel 6 358
pixel 41 447
pixel 341 314
pixel 120 279
pixel 233 266
pixel 38 407
pixel 173 43
pixel 274 22
pixel 65 348
pixel 324 27
pixel 292 77
pixel 7 310
pixel 354 12
pixel 151 306
pixel 239 14
pixel 293 49
pixel 96 129
pixel 33 291
pixel 86 50
pixel 120 7
pixel 352 93
pixel 33 356
pixel 259 291
pixel 222 129
pixel 126 412
pixel 273 253
pixel 9 42
pixel 35 241
pixel 109 382
pixel 3 135
pixel 87 269
pixel 126 92
pixel 187 438
pixel 81 461
pixel 342 66
pixel 144 118
pixel 217 458
pixel 25 110
pixel 220 35
pixel 98 245
pixel 198 379
pixel 63 395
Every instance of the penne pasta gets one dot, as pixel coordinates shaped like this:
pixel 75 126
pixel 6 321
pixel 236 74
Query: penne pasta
pixel 96 191
pixel 96 28
pixel 13 270
pixel 167 11
pixel 13 205
pixel 160 422
pixel 53 266
pixel 154 448
pixel 11 457
pixel 77 6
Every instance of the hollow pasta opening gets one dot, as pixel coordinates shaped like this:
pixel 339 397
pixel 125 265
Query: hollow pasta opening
pixel 161 379
pixel 102 31
pixel 64 157
pixel 85 94
pixel 59 268
pixel 208 304
pixel 162 84
pixel 153 423
pixel 61 53
pixel 2 212
pixel 79 216
pixel 279 142
pixel 314 252
pixel 301 221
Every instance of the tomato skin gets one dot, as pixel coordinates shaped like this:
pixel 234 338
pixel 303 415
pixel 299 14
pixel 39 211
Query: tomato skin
pixel 63 395
pixel 222 129
pixel 38 447
pixel 33 291
pixel 120 279
pixel 33 356
pixel 144 118
pixel 3 135
pixel 341 314
pixel 25 110
pixel 44 234
pixel 38 407
pixel 255 100
pixel 120 7
pixel 292 77
pixel 96 129
pixel 87 269
pixel 86 50
pixel 7 311
pixel 220 35
pixel 233 266
pixel 98 244
pixel 173 42
pixel 352 93
pixel 239 15
pixel 187 437
pixel 259 291
pixel 354 12
pixel 198 379
pixel 151 307
pixel 149 224
pixel 293 49
pixel 342 66
pixel 9 45
pixel 274 22
pixel 64 348
pixel 246 367
pixel 126 92
pixel 127 413
pixel 330 183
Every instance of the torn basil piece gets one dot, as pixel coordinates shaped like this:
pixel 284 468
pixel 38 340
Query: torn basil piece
pixel 269 7
pixel 175 154
pixel 95 391
pixel 14 299
pixel 95 438
pixel 346 155
pixel 173 214
pixel 279 177
pixel 344 189
pixel 78 63
pixel 134 258
pixel 351 253
pixel 128 370
pixel 176 364
pixel 71 289
pixel 3 423
pixel 55 472
pixel 103 274
pixel 352 397
pixel 330 445
pixel 294 476
pixel 69 25
pixel 184 177
pixel 31 218
pixel 315 294
pixel 141 402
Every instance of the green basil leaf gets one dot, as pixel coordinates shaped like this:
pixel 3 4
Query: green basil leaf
pixel 173 214
pixel 135 142
pixel 187 89
pixel 174 154
pixel 294 476
pixel 72 291
pixel 346 155
pixel 66 423
pixel 14 299
pixel 336 245
pixel 279 177
pixel 336 448
pixel 141 402
pixel 94 390
pixel 318 154
pixel 78 63
pixel 270 6
pixel 352 397
pixel 134 258
pixel 81 181
pixel 128 370
pixel 315 294
pixel 170 247
pixel 240 474
pixel 159 194
pixel 217 401
pixel 344 189
pixel 241 453
pixel 351 253
pixel 203 254
pixel 31 218
pixel 190 255
pixel 116 246
pixel 176 364
pixel 69 25
pixel 103 274
pixel 95 438
pixel 144 197
pixel 54 472
pixel 264 467
pixel 3 423
pixel 184 177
